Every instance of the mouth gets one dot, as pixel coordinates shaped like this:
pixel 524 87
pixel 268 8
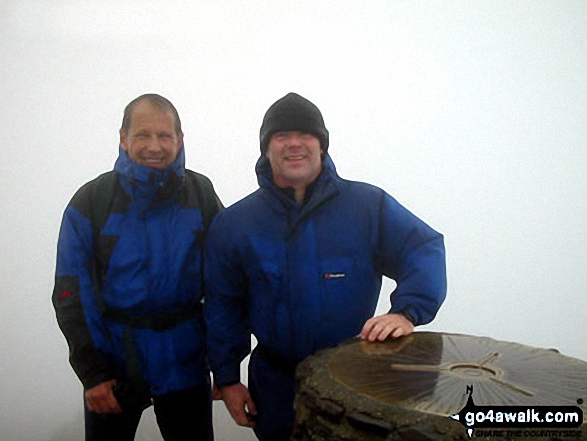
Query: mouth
pixel 153 160
pixel 295 157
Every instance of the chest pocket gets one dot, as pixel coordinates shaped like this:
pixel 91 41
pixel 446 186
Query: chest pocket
pixel 344 299
pixel 336 270
pixel 336 279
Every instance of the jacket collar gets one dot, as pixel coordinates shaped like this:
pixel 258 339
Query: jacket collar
pixel 265 174
pixel 146 182
pixel 326 187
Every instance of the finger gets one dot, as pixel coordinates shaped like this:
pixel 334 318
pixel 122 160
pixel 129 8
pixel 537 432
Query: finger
pixel 377 329
pixel 108 401
pixel 90 405
pixel 93 402
pixel 104 402
pixel 98 406
pixel 113 405
pixel 398 332
pixel 238 414
pixel 241 418
pixel 252 420
pixel 366 329
pixel 250 412
pixel 402 331
pixel 386 332
pixel 251 406
pixel 373 325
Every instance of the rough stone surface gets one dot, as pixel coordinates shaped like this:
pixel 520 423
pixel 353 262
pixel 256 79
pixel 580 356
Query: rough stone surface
pixel 329 411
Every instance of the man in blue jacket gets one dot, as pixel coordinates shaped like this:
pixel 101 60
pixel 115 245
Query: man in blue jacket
pixel 129 283
pixel 299 264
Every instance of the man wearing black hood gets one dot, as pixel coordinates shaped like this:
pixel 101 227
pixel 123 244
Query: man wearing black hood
pixel 299 264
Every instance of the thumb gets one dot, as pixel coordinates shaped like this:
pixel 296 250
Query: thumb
pixel 251 406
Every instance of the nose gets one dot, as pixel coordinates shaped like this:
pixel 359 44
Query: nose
pixel 294 141
pixel 154 144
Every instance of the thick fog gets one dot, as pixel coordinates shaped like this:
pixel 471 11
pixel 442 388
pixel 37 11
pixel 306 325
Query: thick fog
pixel 472 114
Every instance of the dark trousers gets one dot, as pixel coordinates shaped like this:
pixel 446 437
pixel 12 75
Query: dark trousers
pixel 272 388
pixel 181 416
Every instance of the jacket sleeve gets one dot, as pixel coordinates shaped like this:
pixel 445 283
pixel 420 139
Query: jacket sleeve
pixel 411 253
pixel 73 297
pixel 226 306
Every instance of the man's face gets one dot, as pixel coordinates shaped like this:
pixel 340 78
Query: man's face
pixel 151 139
pixel 295 158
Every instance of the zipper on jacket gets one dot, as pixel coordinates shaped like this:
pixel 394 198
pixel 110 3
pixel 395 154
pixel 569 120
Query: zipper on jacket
pixel 288 219
pixel 149 250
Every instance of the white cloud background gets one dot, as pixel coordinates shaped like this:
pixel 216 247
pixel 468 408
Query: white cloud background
pixel 473 114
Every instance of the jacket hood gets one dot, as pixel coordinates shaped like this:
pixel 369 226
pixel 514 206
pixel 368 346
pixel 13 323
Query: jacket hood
pixel 148 182
pixel 127 167
pixel 265 174
pixel 325 188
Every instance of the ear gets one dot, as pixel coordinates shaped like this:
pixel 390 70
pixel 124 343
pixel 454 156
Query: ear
pixel 180 140
pixel 123 141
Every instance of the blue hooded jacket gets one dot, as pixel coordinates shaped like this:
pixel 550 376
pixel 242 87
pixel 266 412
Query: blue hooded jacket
pixel 306 277
pixel 143 309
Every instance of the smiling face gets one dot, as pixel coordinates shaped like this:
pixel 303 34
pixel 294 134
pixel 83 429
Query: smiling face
pixel 295 158
pixel 151 139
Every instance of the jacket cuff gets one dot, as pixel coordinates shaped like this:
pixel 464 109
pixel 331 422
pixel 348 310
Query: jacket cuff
pixel 407 313
pixel 92 380
pixel 227 375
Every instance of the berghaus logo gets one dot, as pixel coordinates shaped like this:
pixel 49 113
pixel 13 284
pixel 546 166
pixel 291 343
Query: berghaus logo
pixel 330 276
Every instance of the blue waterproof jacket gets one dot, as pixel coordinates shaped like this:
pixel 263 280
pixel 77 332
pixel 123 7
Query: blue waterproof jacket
pixel 128 287
pixel 302 278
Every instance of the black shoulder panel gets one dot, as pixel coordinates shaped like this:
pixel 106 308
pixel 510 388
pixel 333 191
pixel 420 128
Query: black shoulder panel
pixel 82 199
pixel 99 197
pixel 200 194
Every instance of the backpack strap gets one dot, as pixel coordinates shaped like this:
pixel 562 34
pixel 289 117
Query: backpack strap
pixel 208 202
pixel 102 193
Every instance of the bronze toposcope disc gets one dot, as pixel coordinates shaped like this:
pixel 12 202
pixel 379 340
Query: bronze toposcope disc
pixel 407 388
